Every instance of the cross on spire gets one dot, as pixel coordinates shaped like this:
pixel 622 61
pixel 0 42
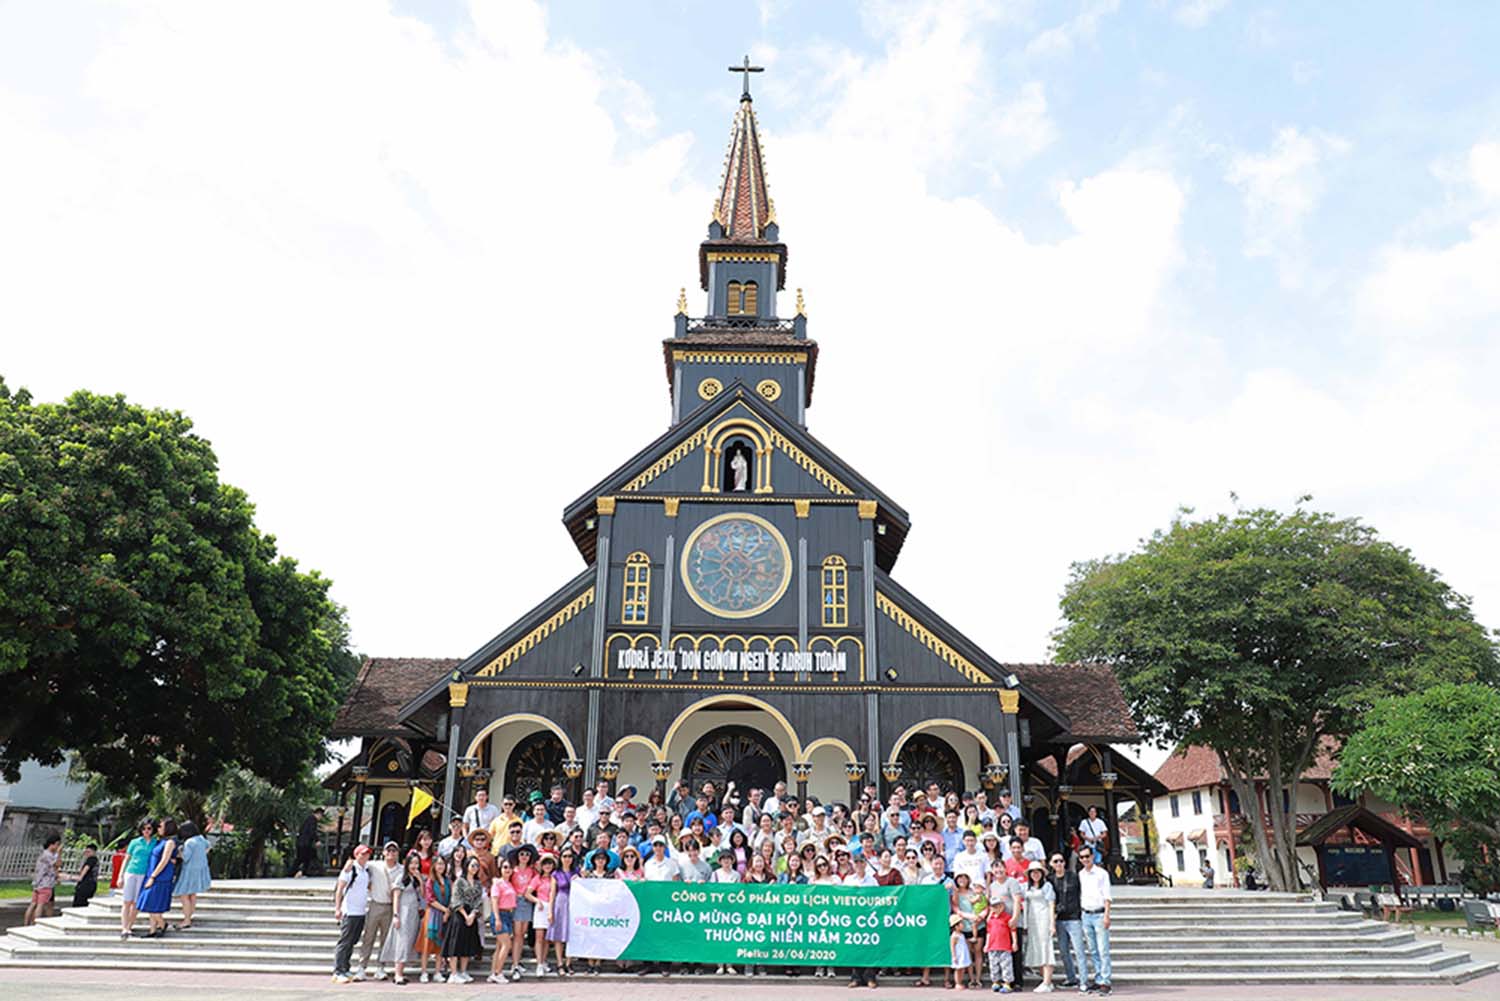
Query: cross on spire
pixel 746 69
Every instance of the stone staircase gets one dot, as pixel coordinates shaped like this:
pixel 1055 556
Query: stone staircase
pixel 1158 937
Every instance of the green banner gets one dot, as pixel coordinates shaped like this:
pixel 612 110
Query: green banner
pixel 755 923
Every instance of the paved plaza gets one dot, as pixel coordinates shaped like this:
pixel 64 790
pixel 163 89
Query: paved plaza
pixel 119 985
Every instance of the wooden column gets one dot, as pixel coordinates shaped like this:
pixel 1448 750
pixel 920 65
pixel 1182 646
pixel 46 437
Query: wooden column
pixel 1107 778
pixel 802 771
pixel 1010 708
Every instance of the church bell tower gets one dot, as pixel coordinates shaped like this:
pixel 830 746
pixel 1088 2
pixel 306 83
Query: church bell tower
pixel 740 339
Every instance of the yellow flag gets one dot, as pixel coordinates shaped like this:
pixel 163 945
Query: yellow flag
pixel 421 799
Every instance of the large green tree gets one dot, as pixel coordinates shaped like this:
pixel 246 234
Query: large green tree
pixel 143 617
pixel 1435 753
pixel 1264 634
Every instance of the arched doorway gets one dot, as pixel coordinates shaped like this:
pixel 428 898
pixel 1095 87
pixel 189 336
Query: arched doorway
pixel 926 759
pixel 735 754
pixel 535 764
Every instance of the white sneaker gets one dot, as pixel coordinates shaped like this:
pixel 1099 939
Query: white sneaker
pixel 494 978
pixel 720 970
pixel 379 973
pixel 425 978
pixel 360 975
pixel 1043 989
pixel 342 978
pixel 730 970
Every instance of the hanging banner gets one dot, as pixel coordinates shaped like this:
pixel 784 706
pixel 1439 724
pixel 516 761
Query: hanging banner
pixel 739 923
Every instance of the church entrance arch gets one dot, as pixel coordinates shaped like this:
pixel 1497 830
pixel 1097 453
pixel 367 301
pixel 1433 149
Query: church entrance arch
pixel 535 764
pixel 737 754
pixel 926 759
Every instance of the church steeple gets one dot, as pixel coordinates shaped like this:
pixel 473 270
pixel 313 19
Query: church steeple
pixel 744 210
pixel 742 265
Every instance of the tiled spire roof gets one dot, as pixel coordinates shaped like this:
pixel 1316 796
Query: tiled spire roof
pixel 744 207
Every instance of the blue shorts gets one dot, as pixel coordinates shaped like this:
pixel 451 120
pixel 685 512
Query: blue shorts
pixel 507 922
pixel 524 910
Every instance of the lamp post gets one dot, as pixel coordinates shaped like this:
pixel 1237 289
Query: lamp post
pixel 802 771
pixel 660 771
pixel 855 772
pixel 572 768
pixel 608 770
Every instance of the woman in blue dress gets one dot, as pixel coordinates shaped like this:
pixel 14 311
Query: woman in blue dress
pixel 155 898
pixel 193 877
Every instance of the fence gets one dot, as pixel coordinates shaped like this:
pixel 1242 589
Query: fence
pixel 19 862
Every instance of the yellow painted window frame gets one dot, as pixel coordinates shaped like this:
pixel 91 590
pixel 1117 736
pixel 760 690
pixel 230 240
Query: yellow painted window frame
pixel 835 592
pixel 635 602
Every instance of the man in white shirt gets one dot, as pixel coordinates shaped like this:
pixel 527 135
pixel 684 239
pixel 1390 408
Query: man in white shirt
pixel 982 804
pixel 659 866
pixel 586 814
pixel 778 793
pixel 1094 901
pixel 378 915
pixel 454 839
pixel 533 828
pixel 969 859
pixel 481 813
pixel 861 876
pixel 569 823
pixel 1093 829
pixel 1031 848
pixel 351 903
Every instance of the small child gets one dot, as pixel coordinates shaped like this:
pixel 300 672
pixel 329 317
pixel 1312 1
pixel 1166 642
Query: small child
pixel 958 947
pixel 1000 942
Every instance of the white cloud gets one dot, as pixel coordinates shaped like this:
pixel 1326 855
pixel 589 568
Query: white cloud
pixel 1281 188
pixel 413 286
pixel 1197 13
pixel 1081 27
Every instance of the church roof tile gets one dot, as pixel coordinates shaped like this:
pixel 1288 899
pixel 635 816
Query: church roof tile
pixel 382 687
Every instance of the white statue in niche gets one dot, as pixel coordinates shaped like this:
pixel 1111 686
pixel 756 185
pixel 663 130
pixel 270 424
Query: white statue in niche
pixel 740 467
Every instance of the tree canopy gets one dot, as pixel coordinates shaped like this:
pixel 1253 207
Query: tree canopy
pixel 1436 753
pixel 1264 634
pixel 142 614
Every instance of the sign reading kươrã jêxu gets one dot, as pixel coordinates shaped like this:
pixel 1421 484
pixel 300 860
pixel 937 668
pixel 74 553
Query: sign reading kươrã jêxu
pixel 755 923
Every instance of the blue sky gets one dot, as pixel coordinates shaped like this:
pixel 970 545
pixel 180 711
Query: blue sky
pixel 1070 266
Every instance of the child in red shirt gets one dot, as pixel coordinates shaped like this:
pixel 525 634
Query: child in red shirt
pixel 999 943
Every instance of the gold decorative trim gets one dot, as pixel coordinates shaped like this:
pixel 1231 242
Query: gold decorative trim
pixel 458 694
pixel 682 302
pixel 741 357
pixel 605 505
pixel 729 686
pixel 541 632
pixel 671 504
pixel 808 463
pixel 925 636
pixel 1010 701
pixel 867 510
pixel 801 306
pixel 709 388
pixel 760 256
pixel 735 498
pixel 802 507
pixel 769 390
pixel 666 462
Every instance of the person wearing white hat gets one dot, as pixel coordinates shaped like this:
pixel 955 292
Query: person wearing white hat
pixel 818 832
pixel 1041 901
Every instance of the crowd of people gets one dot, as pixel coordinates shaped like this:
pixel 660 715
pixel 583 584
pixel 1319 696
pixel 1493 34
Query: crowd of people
pixel 163 862
pixel 503 874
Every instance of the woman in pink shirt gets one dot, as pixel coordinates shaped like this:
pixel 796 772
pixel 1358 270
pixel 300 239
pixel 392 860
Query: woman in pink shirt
pixel 503 897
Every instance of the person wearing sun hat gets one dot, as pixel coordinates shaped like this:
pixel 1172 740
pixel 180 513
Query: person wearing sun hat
pixel 541 891
pixel 611 863
pixel 1041 903
pixel 959 956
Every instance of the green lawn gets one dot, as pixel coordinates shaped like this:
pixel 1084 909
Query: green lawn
pixel 20 889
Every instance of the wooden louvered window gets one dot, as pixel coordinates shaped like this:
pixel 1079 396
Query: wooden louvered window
pixel 637 599
pixel 835 591
pixel 732 304
pixel 747 299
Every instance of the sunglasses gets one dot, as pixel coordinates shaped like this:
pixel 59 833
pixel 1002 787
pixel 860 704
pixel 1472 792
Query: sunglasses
pixel 1057 861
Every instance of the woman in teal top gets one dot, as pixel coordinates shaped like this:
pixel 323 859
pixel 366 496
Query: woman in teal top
pixel 192 878
pixel 133 873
